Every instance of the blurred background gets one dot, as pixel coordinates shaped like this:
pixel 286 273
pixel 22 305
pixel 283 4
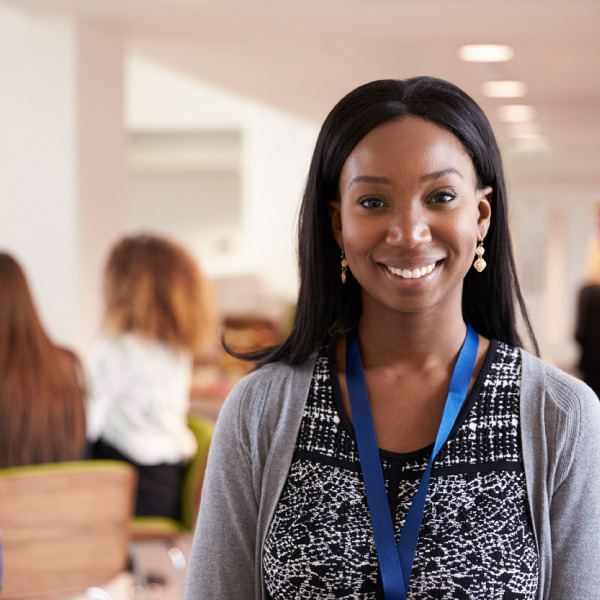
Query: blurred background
pixel 196 119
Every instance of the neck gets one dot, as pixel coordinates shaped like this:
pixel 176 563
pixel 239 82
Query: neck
pixel 417 339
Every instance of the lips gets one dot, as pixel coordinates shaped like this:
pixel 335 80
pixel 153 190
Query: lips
pixel 415 273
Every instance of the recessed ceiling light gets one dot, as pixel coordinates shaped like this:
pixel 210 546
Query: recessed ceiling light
pixel 504 89
pixel 485 53
pixel 516 113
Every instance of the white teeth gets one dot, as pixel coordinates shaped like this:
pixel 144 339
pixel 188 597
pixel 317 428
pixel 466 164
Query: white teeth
pixel 414 274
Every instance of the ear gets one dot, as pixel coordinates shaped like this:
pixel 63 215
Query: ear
pixel 484 207
pixel 335 217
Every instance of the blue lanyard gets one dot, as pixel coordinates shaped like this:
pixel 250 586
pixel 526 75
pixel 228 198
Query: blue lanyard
pixel 396 562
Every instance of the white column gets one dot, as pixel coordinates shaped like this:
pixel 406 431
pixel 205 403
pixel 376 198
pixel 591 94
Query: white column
pixel 61 161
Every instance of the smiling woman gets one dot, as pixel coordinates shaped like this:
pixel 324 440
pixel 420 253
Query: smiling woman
pixel 401 443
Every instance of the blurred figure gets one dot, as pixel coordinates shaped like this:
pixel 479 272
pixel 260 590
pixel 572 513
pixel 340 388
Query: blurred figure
pixel 157 317
pixel 42 415
pixel 587 332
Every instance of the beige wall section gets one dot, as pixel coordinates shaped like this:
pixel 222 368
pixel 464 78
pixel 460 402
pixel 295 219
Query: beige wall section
pixel 63 179
pixel 259 274
pixel 38 160
pixel 61 122
pixel 552 225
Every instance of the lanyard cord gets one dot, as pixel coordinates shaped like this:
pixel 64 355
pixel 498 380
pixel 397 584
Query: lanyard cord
pixel 396 562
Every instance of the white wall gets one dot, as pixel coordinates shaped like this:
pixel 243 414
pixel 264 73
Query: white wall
pixel 275 154
pixel 38 169
pixel 59 160
pixel 101 198
pixel 66 107
pixel 553 223
pixel 65 117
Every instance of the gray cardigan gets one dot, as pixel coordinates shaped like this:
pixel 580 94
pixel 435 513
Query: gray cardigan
pixel 254 443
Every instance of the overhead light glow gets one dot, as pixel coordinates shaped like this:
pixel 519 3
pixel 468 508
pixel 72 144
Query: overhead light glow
pixel 504 89
pixel 524 130
pixel 516 113
pixel 485 53
pixel 530 145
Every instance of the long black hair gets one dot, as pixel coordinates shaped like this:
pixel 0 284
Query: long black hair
pixel 326 308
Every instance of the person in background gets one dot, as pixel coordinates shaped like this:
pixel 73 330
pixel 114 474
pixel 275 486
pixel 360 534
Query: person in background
pixel 157 318
pixel 42 412
pixel 587 328
pixel 401 443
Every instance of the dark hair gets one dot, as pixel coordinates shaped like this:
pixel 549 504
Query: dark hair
pixel 326 308
pixel 42 415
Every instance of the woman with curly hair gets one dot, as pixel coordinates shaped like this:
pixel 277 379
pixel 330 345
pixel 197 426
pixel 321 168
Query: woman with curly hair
pixel 157 319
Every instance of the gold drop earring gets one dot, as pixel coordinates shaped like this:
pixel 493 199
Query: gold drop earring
pixel 344 267
pixel 480 264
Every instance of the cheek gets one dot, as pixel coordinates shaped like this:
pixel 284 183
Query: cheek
pixel 361 232
pixel 360 238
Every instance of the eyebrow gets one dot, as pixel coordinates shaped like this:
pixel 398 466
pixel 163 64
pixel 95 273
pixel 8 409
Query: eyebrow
pixel 442 173
pixel 368 179
pixel 384 180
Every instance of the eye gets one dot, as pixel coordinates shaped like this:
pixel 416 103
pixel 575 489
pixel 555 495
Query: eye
pixel 442 197
pixel 371 202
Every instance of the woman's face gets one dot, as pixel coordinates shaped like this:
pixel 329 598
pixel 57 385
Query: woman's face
pixel 409 215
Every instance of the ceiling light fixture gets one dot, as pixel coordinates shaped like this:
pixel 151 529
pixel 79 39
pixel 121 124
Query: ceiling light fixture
pixel 485 53
pixel 504 89
pixel 516 113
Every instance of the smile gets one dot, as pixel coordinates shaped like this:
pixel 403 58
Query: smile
pixel 412 273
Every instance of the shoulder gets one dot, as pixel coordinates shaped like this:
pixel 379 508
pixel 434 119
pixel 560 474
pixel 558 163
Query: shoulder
pixel 69 356
pixel 273 382
pixel 590 290
pixel 264 398
pixel 565 392
pixel 560 413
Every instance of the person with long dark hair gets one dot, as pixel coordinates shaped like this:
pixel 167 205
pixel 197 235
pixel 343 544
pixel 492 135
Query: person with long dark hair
pixel 401 443
pixel 42 413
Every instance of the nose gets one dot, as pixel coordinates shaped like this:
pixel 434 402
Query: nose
pixel 408 228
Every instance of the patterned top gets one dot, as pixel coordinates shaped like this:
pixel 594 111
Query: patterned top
pixel 476 539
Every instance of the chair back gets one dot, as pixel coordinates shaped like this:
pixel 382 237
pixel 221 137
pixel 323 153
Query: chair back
pixel 203 429
pixel 64 526
pixel 156 528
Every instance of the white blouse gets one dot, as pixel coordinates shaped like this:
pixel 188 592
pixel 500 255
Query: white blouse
pixel 139 399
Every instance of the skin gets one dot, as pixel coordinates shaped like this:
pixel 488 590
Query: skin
pixel 408 198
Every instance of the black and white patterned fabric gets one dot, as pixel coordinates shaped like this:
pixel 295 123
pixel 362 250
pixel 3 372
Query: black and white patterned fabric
pixel 476 539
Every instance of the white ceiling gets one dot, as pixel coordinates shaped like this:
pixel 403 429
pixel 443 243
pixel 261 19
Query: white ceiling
pixel 303 55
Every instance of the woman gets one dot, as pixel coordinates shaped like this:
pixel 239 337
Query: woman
pixel 320 462
pixel 156 321
pixel 42 417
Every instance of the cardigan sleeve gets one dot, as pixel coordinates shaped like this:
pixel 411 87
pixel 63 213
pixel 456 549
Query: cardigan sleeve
pixel 575 500
pixel 247 468
pixel 223 551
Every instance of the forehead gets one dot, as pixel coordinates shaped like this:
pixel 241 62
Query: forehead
pixel 411 146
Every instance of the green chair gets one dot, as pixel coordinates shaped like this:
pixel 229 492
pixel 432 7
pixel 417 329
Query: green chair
pixel 165 530
pixel 156 527
pixel 64 526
